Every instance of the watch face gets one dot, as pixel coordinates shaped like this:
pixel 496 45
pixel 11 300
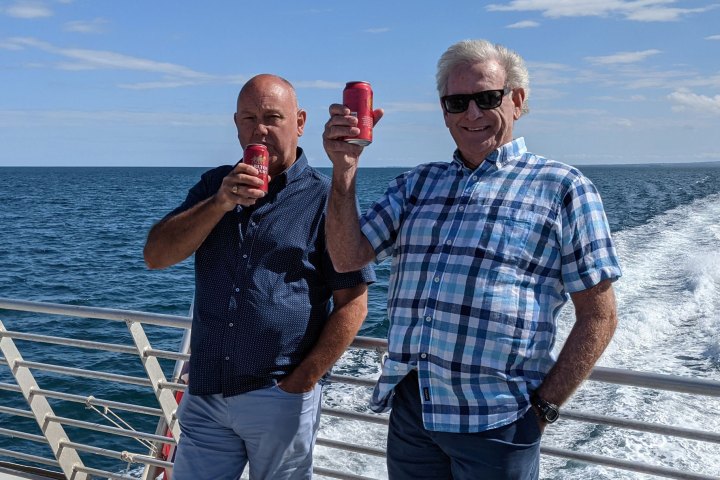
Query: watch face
pixel 551 414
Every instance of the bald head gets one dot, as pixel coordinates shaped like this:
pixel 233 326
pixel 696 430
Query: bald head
pixel 266 82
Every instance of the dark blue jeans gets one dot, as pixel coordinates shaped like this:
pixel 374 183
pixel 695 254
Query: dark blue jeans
pixel 511 452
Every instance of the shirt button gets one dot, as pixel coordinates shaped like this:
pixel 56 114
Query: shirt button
pixel 252 224
pixel 423 355
pixel 237 289
pixel 462 207
pixel 396 367
pixel 428 318
pixel 230 324
pixel 244 255
pixel 227 358
pixel 474 178
pixel 437 279
pixel 449 242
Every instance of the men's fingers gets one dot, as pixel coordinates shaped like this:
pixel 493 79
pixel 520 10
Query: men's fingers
pixel 377 115
pixel 339 109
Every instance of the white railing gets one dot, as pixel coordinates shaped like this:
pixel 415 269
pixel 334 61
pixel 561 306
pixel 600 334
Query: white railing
pixel 69 456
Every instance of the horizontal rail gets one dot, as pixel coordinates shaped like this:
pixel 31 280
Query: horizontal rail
pixel 363 417
pixel 125 456
pixel 639 426
pixel 27 457
pixel 625 464
pixel 70 342
pixel 657 381
pixel 350 447
pixel 108 347
pixel 98 402
pixel 87 400
pixel 17 412
pixel 96 312
pixel 80 372
pixel 24 435
pixel 123 432
pixel 151 352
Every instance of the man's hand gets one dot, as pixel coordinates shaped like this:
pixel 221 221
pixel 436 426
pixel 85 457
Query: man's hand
pixel 342 124
pixel 240 187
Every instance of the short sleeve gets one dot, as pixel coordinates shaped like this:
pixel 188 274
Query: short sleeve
pixel 208 184
pixel 588 251
pixel 381 223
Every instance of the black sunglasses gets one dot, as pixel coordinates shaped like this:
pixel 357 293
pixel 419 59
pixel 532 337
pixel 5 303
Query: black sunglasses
pixel 485 100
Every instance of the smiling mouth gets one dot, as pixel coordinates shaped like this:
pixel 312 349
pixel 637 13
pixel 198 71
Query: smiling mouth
pixel 478 129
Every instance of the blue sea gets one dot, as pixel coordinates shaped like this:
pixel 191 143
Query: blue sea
pixel 75 236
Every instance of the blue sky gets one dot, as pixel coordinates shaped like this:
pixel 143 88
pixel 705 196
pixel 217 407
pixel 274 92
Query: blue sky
pixel 154 83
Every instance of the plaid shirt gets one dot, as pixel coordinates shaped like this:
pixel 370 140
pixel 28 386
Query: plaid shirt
pixel 482 262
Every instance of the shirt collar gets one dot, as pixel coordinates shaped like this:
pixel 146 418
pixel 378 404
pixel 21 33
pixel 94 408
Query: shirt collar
pixel 498 158
pixel 294 171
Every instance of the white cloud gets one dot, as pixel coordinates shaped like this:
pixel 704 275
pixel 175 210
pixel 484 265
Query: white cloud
pixel 713 37
pixel 102 59
pixel 636 10
pixel 96 25
pixel 377 30
pixel 524 24
pixel 172 75
pixel 75 118
pixel 28 10
pixel 623 57
pixel 684 99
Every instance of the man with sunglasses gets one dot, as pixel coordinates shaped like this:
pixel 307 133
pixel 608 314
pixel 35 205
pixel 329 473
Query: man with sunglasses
pixel 486 249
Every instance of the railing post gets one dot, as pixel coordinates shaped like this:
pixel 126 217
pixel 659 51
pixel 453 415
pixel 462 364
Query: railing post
pixel 54 433
pixel 165 397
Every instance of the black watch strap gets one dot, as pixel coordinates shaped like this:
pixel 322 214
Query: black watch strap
pixel 548 412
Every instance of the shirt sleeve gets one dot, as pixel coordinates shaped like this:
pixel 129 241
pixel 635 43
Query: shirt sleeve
pixel 588 252
pixel 208 184
pixel 340 281
pixel 381 223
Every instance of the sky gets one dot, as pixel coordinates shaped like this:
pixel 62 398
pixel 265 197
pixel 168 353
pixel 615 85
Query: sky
pixel 154 83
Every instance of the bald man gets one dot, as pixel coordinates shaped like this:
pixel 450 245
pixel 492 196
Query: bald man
pixel 271 314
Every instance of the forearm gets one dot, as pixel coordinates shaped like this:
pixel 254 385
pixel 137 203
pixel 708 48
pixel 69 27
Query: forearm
pixel 347 246
pixel 337 335
pixel 593 330
pixel 176 238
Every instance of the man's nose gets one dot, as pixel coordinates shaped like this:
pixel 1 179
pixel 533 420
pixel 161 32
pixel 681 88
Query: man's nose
pixel 261 129
pixel 473 111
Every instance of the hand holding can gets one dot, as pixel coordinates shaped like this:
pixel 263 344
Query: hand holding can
pixel 256 155
pixel 358 97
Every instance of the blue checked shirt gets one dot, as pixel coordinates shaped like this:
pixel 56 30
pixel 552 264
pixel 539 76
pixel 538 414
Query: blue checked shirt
pixel 482 262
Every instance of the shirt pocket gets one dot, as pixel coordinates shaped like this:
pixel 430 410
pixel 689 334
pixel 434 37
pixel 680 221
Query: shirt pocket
pixel 503 234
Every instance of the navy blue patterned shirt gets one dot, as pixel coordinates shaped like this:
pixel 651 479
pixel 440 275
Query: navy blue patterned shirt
pixel 263 283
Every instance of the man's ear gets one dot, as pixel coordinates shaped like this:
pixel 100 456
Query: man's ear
pixel 518 98
pixel 301 118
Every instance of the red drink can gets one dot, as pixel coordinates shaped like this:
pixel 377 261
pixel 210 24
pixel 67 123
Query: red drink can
pixel 256 154
pixel 358 97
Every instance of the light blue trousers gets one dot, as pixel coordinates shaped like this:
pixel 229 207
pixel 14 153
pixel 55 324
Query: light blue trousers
pixel 271 429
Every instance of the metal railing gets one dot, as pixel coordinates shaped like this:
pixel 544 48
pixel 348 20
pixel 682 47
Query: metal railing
pixel 69 456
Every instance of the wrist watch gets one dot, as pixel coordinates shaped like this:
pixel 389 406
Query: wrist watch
pixel 548 412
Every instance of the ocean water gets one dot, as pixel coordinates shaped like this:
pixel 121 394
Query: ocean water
pixel 75 236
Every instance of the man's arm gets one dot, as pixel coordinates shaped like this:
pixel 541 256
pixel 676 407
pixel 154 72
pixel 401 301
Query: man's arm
pixel 350 309
pixel 174 239
pixel 348 247
pixel 596 319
